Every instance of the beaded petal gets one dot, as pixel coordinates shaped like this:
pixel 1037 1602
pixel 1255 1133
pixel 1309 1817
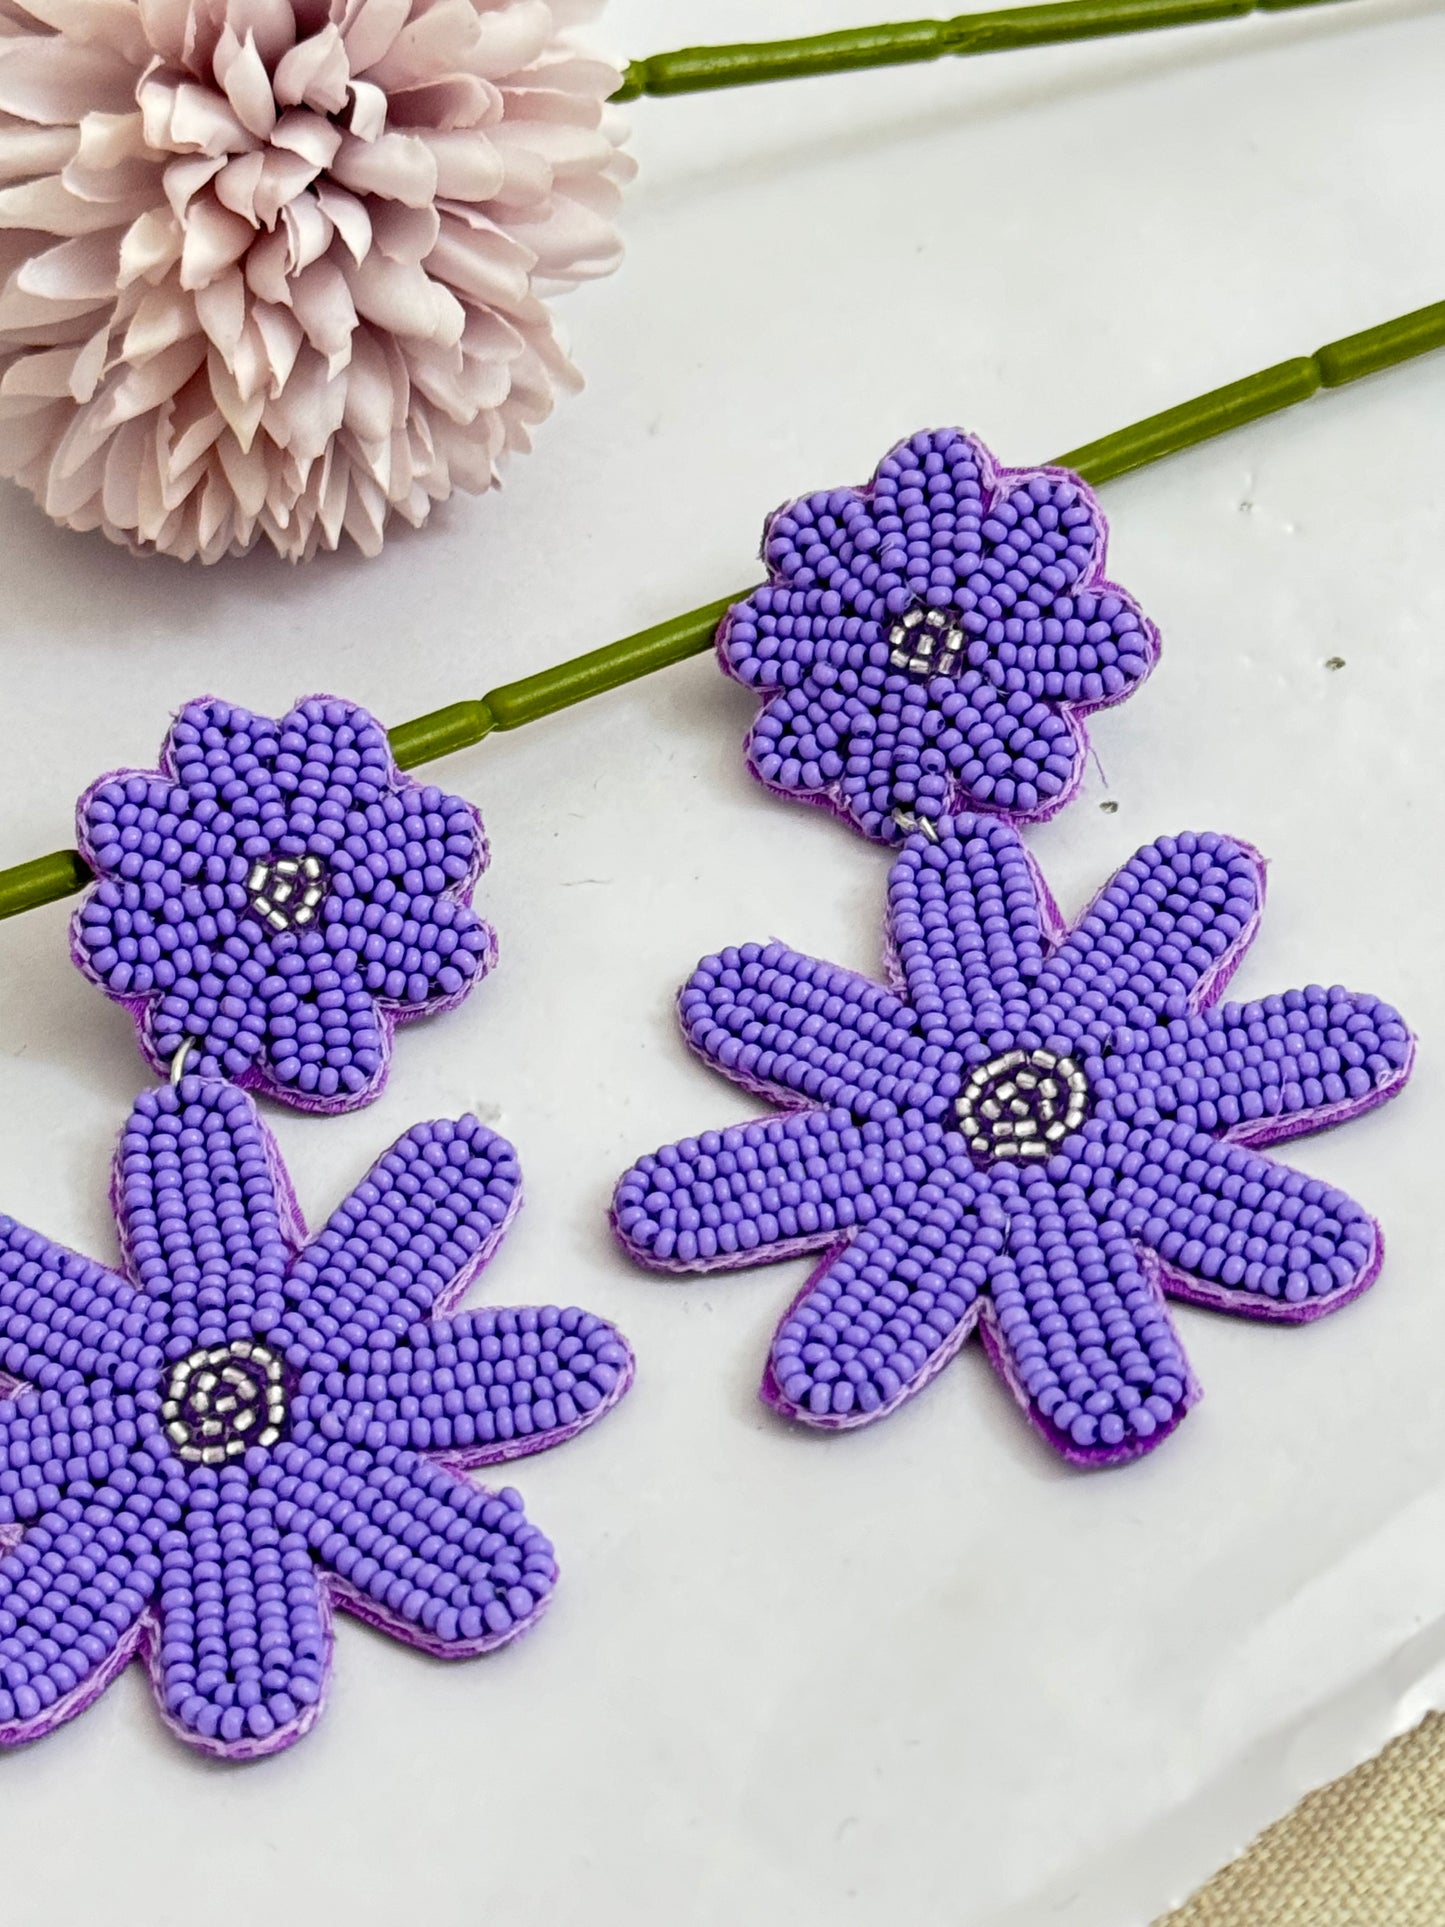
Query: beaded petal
pixel 915 1175
pixel 931 642
pixel 204 1454
pixel 279 896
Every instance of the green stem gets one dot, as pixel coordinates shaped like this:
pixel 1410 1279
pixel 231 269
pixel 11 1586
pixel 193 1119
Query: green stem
pixel 47 878
pixel 515 703
pixel 44 879
pixel 698 69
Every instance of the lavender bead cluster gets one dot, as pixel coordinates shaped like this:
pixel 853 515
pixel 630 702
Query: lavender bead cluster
pixel 931 642
pixel 919 1144
pixel 209 1451
pixel 277 898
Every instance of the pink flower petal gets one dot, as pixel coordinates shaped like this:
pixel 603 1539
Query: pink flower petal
pixel 51 81
pixel 215 237
pixel 241 71
pixel 284 178
pixel 405 300
pixel 398 167
pixel 165 316
pixel 367 118
pixel 314 73
pixel 81 270
pixel 151 244
pixel 348 216
pixel 371 29
pixel 27 151
pixel 469 166
pixel 323 305
pixel 305 133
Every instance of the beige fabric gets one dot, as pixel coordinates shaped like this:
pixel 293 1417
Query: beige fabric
pixel 1366 1851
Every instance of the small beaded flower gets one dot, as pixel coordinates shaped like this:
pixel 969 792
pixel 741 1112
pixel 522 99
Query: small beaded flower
pixel 279 897
pixel 205 1454
pixel 1042 1133
pixel 931 642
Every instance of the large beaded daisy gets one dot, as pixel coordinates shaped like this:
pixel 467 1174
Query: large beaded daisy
pixel 931 642
pixel 202 1454
pixel 276 898
pixel 1041 1134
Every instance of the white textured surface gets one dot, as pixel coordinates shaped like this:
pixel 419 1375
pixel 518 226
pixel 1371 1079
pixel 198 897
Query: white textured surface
pixel 920 1673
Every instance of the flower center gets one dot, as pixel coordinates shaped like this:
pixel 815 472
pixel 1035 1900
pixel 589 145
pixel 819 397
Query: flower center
pixel 1023 1104
pixel 927 642
pixel 287 891
pixel 219 1403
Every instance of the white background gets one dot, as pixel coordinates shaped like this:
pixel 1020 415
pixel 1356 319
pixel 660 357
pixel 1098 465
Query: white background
pixel 922 1672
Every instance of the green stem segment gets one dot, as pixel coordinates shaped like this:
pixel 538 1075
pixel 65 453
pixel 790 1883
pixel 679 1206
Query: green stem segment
pixel 462 724
pixel 44 879
pixel 701 69
pixel 48 878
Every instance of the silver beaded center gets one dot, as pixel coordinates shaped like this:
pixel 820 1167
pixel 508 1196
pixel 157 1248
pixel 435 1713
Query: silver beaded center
pixel 1023 1104
pixel 221 1402
pixel 287 891
pixel 927 642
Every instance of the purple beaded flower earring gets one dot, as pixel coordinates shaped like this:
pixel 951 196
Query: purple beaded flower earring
pixel 241 1429
pixel 207 1451
pixel 1037 1132
pixel 932 642
pixel 277 897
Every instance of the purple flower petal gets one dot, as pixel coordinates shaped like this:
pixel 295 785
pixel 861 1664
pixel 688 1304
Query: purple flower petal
pixel 1166 933
pixel 969 924
pixel 280 898
pixel 1077 1326
pixel 1263 1072
pixel 207 1220
pixel 242 1654
pixel 72 1596
pixel 405 1244
pixel 58 1308
pixel 788 1026
pixel 881 1318
pixel 984 951
pixel 443 1564
pixel 479 1388
pixel 1232 1229
pixel 934 639
pixel 757 1192
pixel 306 1030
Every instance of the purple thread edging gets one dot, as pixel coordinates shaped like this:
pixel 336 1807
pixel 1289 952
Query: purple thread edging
pixel 85 1695
pixel 1072 713
pixel 391 1016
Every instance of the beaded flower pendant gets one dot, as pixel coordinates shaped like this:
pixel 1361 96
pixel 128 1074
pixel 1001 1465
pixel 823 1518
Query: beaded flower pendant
pixel 277 897
pixel 1040 1132
pixel 932 642
pixel 205 1452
